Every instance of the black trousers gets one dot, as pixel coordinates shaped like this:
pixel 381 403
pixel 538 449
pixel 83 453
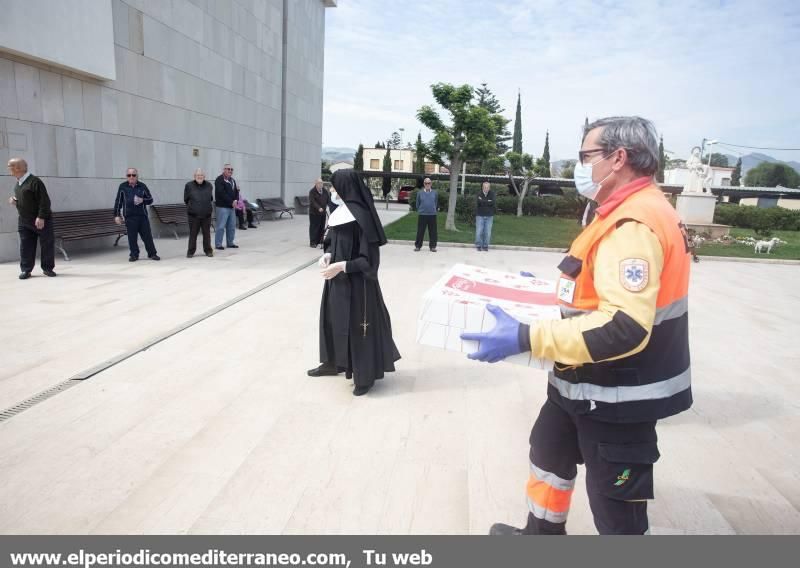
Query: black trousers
pixel 240 217
pixel 140 225
pixel 29 235
pixel 429 222
pixel 196 225
pixel 316 228
pixel 619 460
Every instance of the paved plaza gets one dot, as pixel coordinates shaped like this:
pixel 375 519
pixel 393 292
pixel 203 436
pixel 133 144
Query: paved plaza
pixel 217 428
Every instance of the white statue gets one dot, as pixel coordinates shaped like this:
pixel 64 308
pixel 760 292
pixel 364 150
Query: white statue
pixel 708 179
pixel 696 173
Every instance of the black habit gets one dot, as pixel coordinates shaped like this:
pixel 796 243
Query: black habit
pixel 355 327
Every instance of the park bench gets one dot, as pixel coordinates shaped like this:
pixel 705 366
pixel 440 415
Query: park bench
pixel 174 214
pixel 301 204
pixel 85 224
pixel 275 206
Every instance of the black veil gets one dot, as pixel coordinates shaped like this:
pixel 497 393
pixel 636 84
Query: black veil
pixel 355 193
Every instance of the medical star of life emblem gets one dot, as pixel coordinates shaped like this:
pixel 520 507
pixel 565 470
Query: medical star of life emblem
pixel 634 273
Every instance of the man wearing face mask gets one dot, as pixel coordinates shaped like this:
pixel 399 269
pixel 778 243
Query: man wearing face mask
pixel 621 350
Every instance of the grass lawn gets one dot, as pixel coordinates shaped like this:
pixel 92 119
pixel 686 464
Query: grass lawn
pixel 506 230
pixel 559 233
pixel 789 251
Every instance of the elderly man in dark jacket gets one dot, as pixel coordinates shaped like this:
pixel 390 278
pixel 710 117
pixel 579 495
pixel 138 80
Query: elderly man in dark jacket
pixel 133 197
pixel 35 221
pixel 199 198
pixel 318 200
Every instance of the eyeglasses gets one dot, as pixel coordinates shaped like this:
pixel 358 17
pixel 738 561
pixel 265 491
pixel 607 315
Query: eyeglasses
pixel 131 175
pixel 583 154
pixel 228 169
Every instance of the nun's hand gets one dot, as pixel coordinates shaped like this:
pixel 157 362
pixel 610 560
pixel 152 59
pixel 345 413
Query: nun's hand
pixel 324 260
pixel 333 270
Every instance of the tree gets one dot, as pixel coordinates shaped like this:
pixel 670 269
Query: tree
pixel 380 144
pixel 326 167
pixel 470 134
pixel 521 165
pixel 419 162
pixel 768 174
pixel 394 141
pixel 542 166
pixel 719 160
pixel 486 99
pixel 662 161
pixel 736 176
pixel 585 124
pixel 516 144
pixel 358 159
pixel 387 167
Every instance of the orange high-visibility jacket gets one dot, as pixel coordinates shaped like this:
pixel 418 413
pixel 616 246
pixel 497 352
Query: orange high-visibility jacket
pixel 622 349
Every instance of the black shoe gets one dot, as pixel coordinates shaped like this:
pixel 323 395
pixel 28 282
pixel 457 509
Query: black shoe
pixel 313 246
pixel 24 275
pixel 251 226
pixel 154 257
pixel 233 246
pixel 242 228
pixel 323 371
pixel 360 391
pixel 220 248
pixel 500 529
pixel 485 249
pixel 210 253
pixel 417 249
pixel 50 273
pixel 433 249
pixel 133 259
pixel 189 254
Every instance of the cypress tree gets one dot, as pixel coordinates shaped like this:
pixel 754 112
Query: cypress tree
pixel 358 160
pixel 546 151
pixel 661 161
pixel 516 144
pixel 736 176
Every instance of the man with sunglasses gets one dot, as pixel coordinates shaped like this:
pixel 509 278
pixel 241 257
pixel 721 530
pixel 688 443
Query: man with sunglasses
pixel 226 194
pixel 621 349
pixel 133 197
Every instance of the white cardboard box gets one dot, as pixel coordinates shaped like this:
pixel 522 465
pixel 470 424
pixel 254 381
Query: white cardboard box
pixel 457 303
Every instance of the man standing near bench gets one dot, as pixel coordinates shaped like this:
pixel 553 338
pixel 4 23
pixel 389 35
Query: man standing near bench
pixel 133 197
pixel 35 220
pixel 318 199
pixel 199 198
pixel 226 192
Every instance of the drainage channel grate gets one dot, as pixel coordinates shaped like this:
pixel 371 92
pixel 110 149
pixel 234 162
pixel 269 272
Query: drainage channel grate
pixel 37 398
pixel 87 374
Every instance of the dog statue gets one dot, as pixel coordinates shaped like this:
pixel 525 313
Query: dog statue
pixel 762 246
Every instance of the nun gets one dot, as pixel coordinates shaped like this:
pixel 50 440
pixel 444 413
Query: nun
pixel 355 331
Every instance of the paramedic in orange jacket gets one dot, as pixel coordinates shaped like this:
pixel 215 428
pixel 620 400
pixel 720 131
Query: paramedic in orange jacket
pixel 621 349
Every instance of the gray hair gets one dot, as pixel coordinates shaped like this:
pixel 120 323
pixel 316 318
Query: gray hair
pixel 634 133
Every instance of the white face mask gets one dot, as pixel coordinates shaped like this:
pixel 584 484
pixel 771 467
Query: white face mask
pixel 583 179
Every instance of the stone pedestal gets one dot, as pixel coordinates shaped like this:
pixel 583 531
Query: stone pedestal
pixel 696 210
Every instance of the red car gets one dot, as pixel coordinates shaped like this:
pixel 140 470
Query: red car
pixel 405 193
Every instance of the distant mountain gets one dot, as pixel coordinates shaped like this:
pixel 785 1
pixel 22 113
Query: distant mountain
pixel 332 154
pixel 750 161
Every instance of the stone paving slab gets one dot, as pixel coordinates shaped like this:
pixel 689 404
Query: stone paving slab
pixel 217 430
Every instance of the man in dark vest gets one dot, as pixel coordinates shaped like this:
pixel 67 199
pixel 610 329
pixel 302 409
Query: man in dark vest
pixel 35 220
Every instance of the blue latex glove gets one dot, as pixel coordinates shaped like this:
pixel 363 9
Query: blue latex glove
pixel 525 273
pixel 501 342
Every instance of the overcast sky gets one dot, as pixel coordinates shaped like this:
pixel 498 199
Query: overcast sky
pixel 718 69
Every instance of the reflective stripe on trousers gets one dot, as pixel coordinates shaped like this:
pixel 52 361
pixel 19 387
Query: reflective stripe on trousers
pixel 549 495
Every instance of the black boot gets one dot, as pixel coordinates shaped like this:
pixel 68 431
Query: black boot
pixel 500 529
pixel 324 370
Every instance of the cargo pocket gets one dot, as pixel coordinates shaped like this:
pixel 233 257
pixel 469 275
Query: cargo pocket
pixel 625 471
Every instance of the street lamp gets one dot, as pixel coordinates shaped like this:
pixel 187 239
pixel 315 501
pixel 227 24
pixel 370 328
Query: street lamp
pixel 709 143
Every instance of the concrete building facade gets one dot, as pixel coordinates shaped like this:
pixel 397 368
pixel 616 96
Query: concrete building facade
pixel 165 86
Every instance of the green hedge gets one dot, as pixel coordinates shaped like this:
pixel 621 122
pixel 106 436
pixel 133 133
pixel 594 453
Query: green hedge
pixel 762 220
pixel 569 206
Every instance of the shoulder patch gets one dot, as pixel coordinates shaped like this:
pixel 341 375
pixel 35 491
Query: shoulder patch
pixel 634 273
